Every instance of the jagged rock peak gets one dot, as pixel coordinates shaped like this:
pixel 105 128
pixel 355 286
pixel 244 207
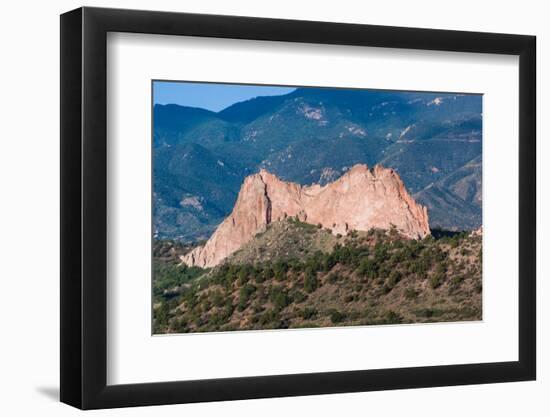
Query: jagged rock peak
pixel 360 199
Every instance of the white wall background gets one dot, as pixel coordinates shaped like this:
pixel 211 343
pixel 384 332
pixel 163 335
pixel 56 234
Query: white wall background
pixel 29 225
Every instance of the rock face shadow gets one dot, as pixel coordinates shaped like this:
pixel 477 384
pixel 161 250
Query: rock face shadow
pixel 50 392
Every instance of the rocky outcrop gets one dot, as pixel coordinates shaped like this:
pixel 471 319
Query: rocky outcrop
pixel 360 199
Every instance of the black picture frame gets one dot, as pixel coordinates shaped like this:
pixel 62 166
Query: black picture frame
pixel 84 207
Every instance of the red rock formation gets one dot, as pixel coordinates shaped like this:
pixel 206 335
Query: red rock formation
pixel 360 199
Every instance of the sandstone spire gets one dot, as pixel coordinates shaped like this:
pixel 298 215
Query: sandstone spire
pixel 360 199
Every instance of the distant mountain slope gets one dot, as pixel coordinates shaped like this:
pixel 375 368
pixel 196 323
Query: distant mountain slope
pixel 456 198
pixel 194 189
pixel 172 122
pixel 465 182
pixel 249 110
pixel 313 135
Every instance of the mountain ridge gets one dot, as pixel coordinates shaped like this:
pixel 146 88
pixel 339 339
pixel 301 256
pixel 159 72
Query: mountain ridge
pixel 314 135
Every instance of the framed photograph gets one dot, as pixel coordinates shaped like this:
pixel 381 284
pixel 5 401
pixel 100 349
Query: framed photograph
pixel 258 208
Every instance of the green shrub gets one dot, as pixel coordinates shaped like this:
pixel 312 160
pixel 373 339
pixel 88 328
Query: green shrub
pixel 310 281
pixel 368 268
pixel 269 317
pixel 279 298
pixel 162 314
pixel 337 316
pixel 280 270
pixel 457 279
pixel 410 293
pixel 436 280
pixel 268 272
pixel 418 266
pixel 206 304
pixel 244 296
pixel 259 278
pixel 217 298
pixel 298 297
pixel 308 313
pixel 190 298
pixel 242 276
pixel 393 279
pixel 217 319
pixel 257 307
pixel 180 326
pixel 328 262
pixel 391 317
pixel 228 309
pixel 333 278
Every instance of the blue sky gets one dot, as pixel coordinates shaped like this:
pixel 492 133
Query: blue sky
pixel 209 96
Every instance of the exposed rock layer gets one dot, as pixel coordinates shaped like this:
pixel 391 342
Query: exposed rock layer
pixel 360 199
